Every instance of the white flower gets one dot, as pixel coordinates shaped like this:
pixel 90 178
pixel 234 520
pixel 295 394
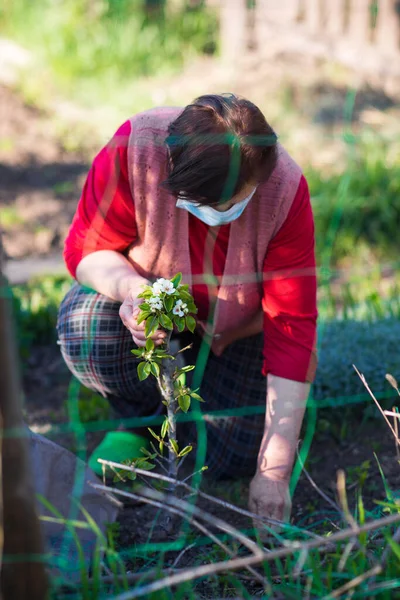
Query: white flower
pixel 182 306
pixel 155 303
pixel 177 311
pixel 163 285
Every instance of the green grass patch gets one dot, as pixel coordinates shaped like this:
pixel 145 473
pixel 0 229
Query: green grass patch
pixel 98 47
pixel 369 215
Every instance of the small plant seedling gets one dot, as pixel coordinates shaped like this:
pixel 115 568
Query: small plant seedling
pixel 167 304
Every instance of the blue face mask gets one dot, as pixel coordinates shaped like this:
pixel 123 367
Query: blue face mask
pixel 213 217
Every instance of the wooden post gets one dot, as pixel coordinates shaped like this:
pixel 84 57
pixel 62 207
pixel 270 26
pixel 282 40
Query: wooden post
pixel 334 15
pixel 359 27
pixel 313 16
pixel 233 30
pixel 21 578
pixel 387 35
pixel 274 16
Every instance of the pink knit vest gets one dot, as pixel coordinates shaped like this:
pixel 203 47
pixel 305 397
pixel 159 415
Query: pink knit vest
pixel 162 245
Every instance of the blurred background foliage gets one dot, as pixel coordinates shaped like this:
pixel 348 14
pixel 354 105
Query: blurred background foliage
pixel 367 216
pixel 102 43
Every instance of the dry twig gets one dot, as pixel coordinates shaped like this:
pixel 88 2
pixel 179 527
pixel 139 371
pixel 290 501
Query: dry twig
pixel 223 503
pixel 243 562
pixel 361 376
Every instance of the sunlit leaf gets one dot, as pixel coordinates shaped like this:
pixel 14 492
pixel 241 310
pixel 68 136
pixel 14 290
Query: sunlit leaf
pixel 153 433
pixel 185 451
pixel 164 428
pixel 197 397
pixel 175 446
pixel 184 403
pixel 186 369
pixel 143 316
pixel 177 279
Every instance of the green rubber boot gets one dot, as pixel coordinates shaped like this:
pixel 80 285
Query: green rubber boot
pixel 118 446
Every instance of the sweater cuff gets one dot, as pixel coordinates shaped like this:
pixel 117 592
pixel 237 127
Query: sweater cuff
pixel 303 371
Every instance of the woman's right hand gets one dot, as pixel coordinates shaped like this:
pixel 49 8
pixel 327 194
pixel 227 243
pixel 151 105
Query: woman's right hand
pixel 129 312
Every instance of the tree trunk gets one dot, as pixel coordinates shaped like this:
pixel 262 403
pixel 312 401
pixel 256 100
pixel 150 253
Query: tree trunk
pixel 21 578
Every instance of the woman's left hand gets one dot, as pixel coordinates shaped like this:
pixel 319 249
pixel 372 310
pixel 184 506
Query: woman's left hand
pixel 271 499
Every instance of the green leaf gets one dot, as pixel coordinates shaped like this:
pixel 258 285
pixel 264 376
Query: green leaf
pixel 152 325
pixel 143 370
pixel 163 354
pixel 142 316
pixel 149 345
pixel 175 446
pixel 184 287
pixel 177 279
pixel 185 295
pixel 153 433
pixel 180 323
pixel 394 546
pixel 147 292
pixel 164 428
pixel 169 302
pixel 138 352
pixel 185 369
pixel 184 403
pixel 197 397
pixel 166 321
pixel 155 369
pixel 164 402
pixel 161 446
pixel 145 465
pixel 190 323
pixel 185 451
pixel 145 307
pixel 147 369
pixel 146 452
pixel 192 307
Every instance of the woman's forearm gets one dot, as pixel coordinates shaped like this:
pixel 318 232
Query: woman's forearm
pixel 109 273
pixel 286 402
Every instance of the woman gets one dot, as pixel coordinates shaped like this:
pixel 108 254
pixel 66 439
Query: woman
pixel 207 191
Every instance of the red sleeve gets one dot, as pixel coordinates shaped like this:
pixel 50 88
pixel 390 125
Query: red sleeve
pixel 105 216
pixel 290 295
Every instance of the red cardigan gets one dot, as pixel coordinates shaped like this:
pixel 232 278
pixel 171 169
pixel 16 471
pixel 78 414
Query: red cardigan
pixel 289 304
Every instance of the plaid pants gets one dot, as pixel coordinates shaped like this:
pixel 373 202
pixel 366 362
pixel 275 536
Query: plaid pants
pixel 96 348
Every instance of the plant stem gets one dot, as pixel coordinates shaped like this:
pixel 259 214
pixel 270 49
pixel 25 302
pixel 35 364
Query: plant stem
pixel 167 391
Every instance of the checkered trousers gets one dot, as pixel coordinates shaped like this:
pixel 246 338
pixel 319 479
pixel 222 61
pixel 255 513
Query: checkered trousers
pixel 96 347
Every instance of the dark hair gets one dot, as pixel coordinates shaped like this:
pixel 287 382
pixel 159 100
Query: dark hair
pixel 217 145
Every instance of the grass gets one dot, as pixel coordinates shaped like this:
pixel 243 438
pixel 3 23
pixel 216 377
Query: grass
pixel 368 217
pixel 95 48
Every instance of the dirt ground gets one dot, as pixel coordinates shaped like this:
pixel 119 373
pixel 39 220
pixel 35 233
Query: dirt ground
pixel 40 182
